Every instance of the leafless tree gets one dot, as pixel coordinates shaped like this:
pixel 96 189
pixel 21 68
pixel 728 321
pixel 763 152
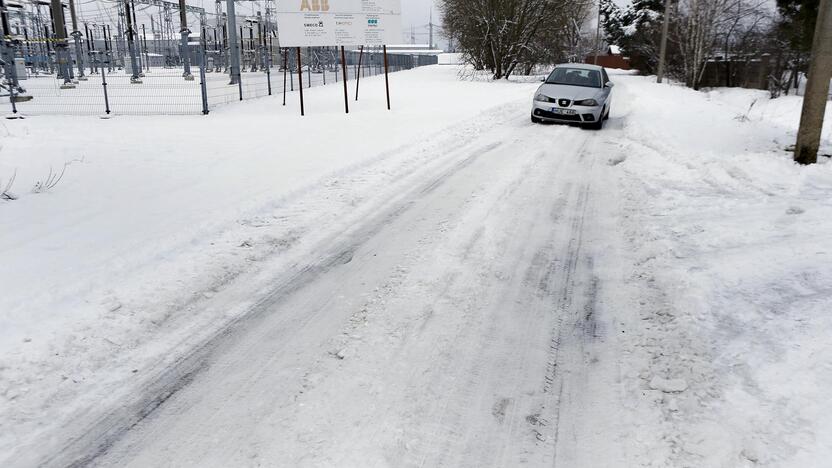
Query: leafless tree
pixel 699 26
pixel 502 35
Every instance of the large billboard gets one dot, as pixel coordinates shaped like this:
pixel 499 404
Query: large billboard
pixel 318 23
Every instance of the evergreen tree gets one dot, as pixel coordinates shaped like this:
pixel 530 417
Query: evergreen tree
pixel 636 30
pixel 798 22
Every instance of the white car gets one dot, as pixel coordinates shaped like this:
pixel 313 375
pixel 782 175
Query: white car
pixel 574 93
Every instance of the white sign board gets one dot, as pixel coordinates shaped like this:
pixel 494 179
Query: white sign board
pixel 318 23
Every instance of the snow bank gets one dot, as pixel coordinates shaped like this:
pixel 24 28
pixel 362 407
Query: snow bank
pixel 731 264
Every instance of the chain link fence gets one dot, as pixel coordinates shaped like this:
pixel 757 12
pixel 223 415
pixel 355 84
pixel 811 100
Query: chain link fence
pixel 106 85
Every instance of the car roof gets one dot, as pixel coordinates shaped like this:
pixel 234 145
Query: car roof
pixel 582 66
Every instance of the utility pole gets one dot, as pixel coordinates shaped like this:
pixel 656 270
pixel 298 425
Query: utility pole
pixel 233 44
pixel 138 38
pixel 598 34
pixel 430 27
pixel 186 33
pixel 61 46
pixel 663 49
pixel 817 89
pixel 76 34
pixel 6 49
pixel 131 45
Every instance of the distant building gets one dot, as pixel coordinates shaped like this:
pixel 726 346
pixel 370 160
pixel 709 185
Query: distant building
pixel 413 49
pixel 611 57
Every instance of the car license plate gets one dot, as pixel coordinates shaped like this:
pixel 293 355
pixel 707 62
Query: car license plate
pixel 555 110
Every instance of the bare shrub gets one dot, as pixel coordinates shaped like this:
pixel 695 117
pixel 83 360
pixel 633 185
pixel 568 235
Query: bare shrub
pixel 5 190
pixel 53 178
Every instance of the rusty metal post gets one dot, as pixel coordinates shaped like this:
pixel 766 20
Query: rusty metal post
pixel 285 72
pixel 358 72
pixel 386 77
pixel 344 70
pixel 300 82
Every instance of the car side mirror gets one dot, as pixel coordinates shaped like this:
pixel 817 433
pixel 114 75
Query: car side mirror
pixel 609 84
pixel 543 80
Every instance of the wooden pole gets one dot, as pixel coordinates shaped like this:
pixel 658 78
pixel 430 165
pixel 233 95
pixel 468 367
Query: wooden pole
pixel 663 47
pixel 386 78
pixel 344 70
pixel 598 36
pixel 358 72
pixel 300 83
pixel 817 89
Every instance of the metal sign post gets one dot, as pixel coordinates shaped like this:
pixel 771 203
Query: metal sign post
pixel 285 72
pixel 300 83
pixel 343 23
pixel 386 78
pixel 344 70
pixel 358 72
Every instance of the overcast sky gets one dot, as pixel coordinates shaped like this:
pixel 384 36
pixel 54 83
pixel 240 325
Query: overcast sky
pixel 417 13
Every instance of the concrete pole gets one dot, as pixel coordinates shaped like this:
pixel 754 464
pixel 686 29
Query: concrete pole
pixel 817 89
pixel 5 29
pixel 76 34
pixel 186 33
pixel 138 39
pixel 131 44
pixel 61 46
pixel 6 50
pixel 430 27
pixel 233 42
pixel 663 49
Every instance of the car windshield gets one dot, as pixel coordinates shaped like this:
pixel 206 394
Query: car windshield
pixel 575 77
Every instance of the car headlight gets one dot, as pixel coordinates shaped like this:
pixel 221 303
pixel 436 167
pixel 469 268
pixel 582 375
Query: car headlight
pixel 544 98
pixel 587 103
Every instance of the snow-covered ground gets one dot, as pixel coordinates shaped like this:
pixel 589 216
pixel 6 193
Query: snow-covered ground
pixel 440 285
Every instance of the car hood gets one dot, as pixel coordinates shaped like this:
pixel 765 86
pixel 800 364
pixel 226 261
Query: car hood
pixel 575 93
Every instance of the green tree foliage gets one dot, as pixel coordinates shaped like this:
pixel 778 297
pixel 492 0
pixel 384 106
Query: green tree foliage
pixel 636 29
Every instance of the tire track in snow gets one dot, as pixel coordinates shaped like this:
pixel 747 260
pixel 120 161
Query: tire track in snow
pixel 487 294
pixel 562 279
pixel 85 448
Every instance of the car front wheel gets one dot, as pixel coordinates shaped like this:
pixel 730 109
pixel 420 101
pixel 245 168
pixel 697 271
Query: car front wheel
pixel 535 120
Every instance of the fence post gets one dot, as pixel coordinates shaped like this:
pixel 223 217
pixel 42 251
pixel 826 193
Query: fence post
pixel 106 95
pixel 308 67
pixel 268 68
pixel 240 85
pixel 203 87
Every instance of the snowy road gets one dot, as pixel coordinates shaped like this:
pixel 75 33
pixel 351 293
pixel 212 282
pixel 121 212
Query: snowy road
pixel 460 289
pixel 430 334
